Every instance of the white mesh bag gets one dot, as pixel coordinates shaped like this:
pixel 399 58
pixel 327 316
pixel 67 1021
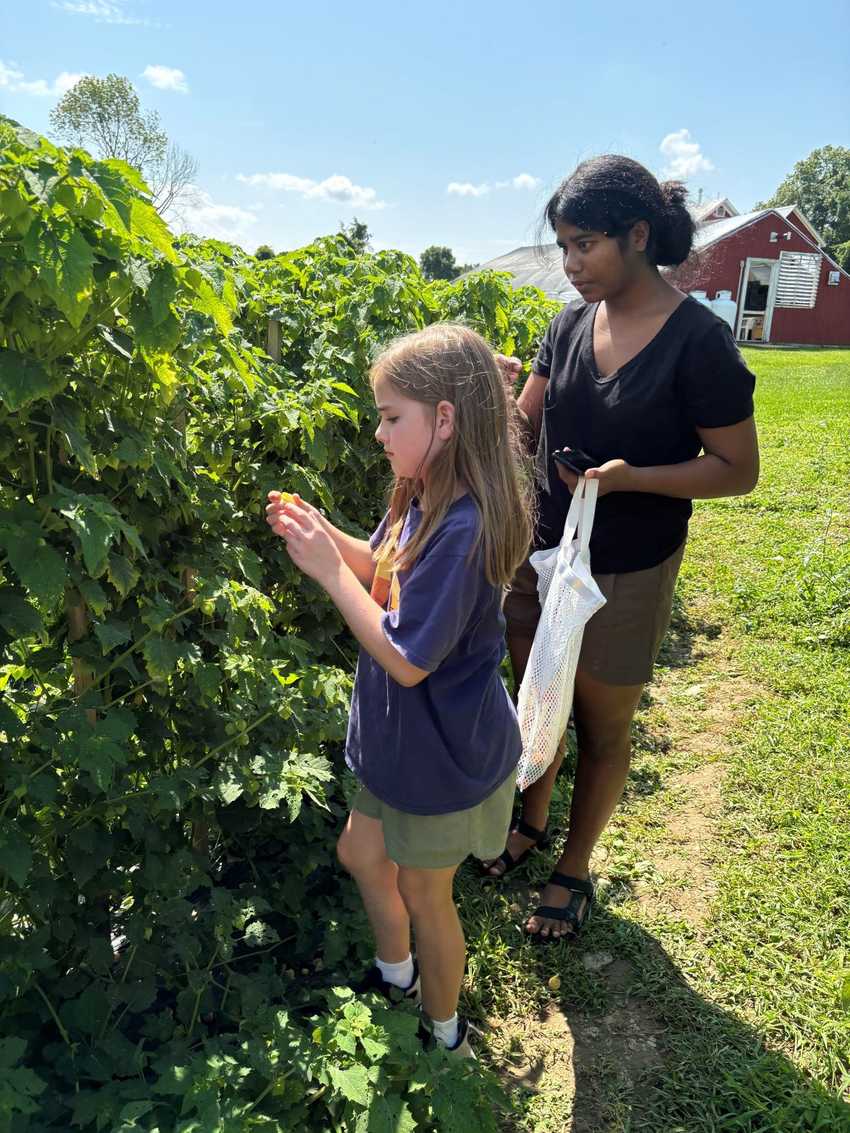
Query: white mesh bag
pixel 568 597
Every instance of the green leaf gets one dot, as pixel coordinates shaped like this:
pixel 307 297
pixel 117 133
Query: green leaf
pixel 69 419
pixel 11 1051
pixel 122 574
pixel 161 293
pixel 258 934
pixel 161 655
pixel 17 616
pixel 23 380
pixel 208 303
pixel 228 787
pixel 112 633
pixel 96 523
pixel 41 570
pixel 162 335
pixel 138 272
pixel 95 596
pixel 389 1114
pixel 146 222
pixel 99 756
pixel 15 855
pixel 353 1084
pixel 120 342
pixel 64 260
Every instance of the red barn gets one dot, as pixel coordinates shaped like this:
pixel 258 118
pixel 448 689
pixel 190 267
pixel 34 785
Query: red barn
pixel 785 287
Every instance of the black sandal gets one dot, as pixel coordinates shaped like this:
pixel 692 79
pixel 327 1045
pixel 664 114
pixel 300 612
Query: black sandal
pixel 541 839
pixel 581 891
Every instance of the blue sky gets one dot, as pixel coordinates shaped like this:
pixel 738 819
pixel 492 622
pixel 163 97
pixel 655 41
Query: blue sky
pixel 443 123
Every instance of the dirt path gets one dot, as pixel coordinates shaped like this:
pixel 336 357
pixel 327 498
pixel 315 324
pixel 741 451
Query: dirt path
pixel 583 1070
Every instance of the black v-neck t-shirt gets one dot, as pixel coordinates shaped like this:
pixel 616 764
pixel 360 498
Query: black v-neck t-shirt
pixel 690 375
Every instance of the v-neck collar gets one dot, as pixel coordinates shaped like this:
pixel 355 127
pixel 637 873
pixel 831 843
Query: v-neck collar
pixel 590 353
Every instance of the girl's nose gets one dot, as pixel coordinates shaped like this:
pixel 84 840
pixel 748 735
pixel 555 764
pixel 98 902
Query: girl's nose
pixel 378 433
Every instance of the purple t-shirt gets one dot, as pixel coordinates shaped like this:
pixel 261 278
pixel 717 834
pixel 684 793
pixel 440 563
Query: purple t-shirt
pixel 450 741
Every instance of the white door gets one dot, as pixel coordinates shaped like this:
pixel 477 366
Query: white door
pixel 756 300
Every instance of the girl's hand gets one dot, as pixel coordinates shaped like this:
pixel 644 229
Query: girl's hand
pixel 613 476
pixel 277 504
pixel 511 368
pixel 308 543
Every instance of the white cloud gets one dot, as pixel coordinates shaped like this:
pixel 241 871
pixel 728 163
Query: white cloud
pixel 684 157
pixel 197 212
pixel 13 80
pixel 468 189
pixel 335 188
pixel 166 78
pixel 104 12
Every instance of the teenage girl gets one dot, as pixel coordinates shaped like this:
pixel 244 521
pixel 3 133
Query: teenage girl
pixel 650 385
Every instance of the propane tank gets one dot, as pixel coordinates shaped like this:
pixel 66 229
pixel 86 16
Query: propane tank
pixel 701 297
pixel 725 307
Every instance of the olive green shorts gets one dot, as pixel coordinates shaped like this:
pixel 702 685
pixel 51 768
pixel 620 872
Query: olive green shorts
pixel 622 639
pixel 437 841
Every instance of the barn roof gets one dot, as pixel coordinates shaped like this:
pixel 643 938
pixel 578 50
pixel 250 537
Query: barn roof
pixel 542 266
pixel 702 210
pixel 536 266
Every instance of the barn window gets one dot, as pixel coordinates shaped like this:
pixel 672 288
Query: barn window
pixel 797 285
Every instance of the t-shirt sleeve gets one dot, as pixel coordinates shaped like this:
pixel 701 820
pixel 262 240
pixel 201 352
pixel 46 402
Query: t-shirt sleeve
pixel 715 382
pixel 378 534
pixel 543 362
pixel 436 602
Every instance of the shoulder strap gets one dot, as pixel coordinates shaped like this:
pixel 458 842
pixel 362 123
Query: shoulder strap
pixel 587 513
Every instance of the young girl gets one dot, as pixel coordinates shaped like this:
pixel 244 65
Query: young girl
pixel 433 735
pixel 650 384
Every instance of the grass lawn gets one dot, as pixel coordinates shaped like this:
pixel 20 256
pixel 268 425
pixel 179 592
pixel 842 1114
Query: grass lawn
pixel 711 990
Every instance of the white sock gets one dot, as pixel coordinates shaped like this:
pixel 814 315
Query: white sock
pixel 447 1031
pixel 400 975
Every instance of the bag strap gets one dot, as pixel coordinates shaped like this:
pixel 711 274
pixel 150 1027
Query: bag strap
pixel 589 491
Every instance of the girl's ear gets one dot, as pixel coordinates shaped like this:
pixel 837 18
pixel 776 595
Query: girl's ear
pixel 445 420
pixel 640 235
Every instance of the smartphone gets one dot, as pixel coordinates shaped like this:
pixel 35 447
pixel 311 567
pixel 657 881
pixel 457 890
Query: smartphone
pixel 575 459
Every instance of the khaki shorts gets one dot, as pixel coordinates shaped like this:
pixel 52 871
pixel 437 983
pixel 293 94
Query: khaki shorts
pixel 621 641
pixel 437 841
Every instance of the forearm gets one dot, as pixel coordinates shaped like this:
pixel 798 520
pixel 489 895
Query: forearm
pixel 356 553
pixel 529 406
pixel 707 477
pixel 364 618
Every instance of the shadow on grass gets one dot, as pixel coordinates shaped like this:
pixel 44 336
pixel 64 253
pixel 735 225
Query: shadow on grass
pixel 680 645
pixel 649 1053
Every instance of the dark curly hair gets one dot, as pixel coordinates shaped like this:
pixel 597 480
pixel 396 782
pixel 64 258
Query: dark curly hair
pixel 611 193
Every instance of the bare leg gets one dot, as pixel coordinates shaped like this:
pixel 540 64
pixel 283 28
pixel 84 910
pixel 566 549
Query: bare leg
pixel 362 851
pixel 603 715
pixel 440 947
pixel 537 797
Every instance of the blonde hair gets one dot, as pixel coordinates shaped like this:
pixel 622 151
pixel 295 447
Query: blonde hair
pixel 449 362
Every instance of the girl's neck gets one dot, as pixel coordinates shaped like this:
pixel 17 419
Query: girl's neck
pixel 646 294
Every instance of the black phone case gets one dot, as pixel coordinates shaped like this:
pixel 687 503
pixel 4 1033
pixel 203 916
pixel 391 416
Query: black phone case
pixel 576 460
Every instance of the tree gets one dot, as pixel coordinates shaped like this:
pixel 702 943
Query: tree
pixel 438 262
pixel 264 252
pixel 357 233
pixel 106 117
pixel 820 185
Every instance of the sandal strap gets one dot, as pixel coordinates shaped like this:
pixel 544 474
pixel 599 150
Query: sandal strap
pixel 508 861
pixel 567 915
pixel 528 831
pixel 584 886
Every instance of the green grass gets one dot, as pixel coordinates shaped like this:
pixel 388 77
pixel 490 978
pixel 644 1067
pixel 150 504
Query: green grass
pixel 737 1018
